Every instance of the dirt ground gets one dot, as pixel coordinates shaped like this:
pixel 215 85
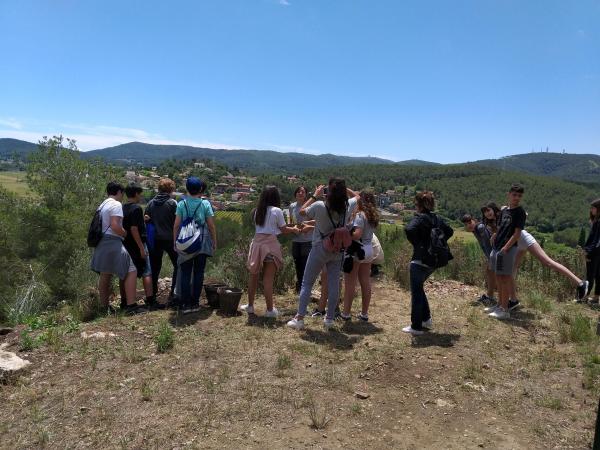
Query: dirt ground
pixel 239 382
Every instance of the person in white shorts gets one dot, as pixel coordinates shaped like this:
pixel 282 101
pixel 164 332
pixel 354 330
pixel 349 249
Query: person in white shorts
pixel 365 220
pixel 527 243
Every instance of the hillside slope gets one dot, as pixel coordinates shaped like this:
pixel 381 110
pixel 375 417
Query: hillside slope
pixel 471 383
pixel 256 161
pixel 552 203
pixel 10 147
pixel 573 167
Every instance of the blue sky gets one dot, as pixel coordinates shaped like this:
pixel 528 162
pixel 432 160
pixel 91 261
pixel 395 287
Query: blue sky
pixel 446 81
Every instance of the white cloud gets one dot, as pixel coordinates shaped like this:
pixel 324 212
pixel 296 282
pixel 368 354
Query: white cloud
pixel 284 2
pixel 91 137
pixel 11 123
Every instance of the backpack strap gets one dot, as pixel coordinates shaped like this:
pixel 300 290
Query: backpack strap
pixel 102 205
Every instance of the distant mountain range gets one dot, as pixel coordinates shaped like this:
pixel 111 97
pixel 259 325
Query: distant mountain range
pixel 574 167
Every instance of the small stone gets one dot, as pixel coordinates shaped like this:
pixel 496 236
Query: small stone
pixel 96 335
pixel 486 366
pixel 442 403
pixel 507 347
pixel 417 376
pixel 362 395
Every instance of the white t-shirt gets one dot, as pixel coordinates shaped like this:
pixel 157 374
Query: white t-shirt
pixel 110 208
pixel 273 221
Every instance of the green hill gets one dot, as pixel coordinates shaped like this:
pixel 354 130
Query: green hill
pixel 552 203
pixel 10 147
pixel 254 161
pixel 581 168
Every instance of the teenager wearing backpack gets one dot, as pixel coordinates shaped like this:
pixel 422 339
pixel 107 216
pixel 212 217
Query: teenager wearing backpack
pixel 194 214
pixel 265 250
pixel 331 235
pixel 160 214
pixel 110 256
pixel 427 256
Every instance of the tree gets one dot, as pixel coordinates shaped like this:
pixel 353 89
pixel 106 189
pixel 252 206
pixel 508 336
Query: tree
pixel 68 191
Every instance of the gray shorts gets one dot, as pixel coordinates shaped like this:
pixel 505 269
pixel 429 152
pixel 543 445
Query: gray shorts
pixel 503 263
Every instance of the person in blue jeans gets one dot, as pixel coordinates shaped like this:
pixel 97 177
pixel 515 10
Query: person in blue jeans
pixel 191 266
pixel 418 233
pixel 334 212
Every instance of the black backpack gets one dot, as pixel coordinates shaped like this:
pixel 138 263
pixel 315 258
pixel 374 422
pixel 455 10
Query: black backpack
pixel 95 232
pixel 438 253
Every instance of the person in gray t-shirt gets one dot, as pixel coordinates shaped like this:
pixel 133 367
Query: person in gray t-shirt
pixel 336 211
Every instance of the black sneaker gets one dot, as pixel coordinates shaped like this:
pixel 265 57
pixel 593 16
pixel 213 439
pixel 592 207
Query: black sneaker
pixel 191 309
pixel 344 317
pixel 513 304
pixel 582 290
pixel 486 301
pixel 317 313
pixel 135 309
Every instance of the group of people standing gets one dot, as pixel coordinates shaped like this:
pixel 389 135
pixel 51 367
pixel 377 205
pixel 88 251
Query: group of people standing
pixel 333 232
pixel 333 229
pixel 504 242
pixel 134 241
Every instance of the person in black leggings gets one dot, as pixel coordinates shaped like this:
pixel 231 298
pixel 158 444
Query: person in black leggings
pixel 592 251
pixel 301 243
pixel 160 212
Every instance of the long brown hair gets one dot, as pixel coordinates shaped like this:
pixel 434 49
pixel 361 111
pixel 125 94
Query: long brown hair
pixel 337 197
pixel 268 197
pixel 596 204
pixel 492 223
pixel 366 203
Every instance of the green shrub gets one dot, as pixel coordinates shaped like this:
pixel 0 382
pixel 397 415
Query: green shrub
pixel 164 337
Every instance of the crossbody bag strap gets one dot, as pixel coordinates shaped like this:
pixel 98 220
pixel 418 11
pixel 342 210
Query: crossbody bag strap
pixel 102 205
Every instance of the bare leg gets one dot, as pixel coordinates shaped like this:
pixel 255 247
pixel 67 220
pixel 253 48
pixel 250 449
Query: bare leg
pixel 324 291
pixel 505 286
pixel 148 286
pixel 537 251
pixel 104 288
pixel 252 286
pixel 129 283
pixel 269 270
pixel 350 288
pixel 491 282
pixel 518 260
pixel 364 276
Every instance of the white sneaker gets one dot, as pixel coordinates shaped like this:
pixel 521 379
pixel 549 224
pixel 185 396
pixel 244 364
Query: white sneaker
pixel 500 314
pixel 428 324
pixel 273 313
pixel 328 323
pixel 247 308
pixel 490 309
pixel 412 331
pixel 297 324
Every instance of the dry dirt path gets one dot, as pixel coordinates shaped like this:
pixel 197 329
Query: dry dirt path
pixel 240 383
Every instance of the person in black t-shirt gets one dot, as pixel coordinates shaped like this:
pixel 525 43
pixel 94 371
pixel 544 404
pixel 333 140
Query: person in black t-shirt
pixel 504 249
pixel 135 241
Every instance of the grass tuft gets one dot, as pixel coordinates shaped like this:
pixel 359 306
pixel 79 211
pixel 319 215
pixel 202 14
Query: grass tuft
pixel 164 339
